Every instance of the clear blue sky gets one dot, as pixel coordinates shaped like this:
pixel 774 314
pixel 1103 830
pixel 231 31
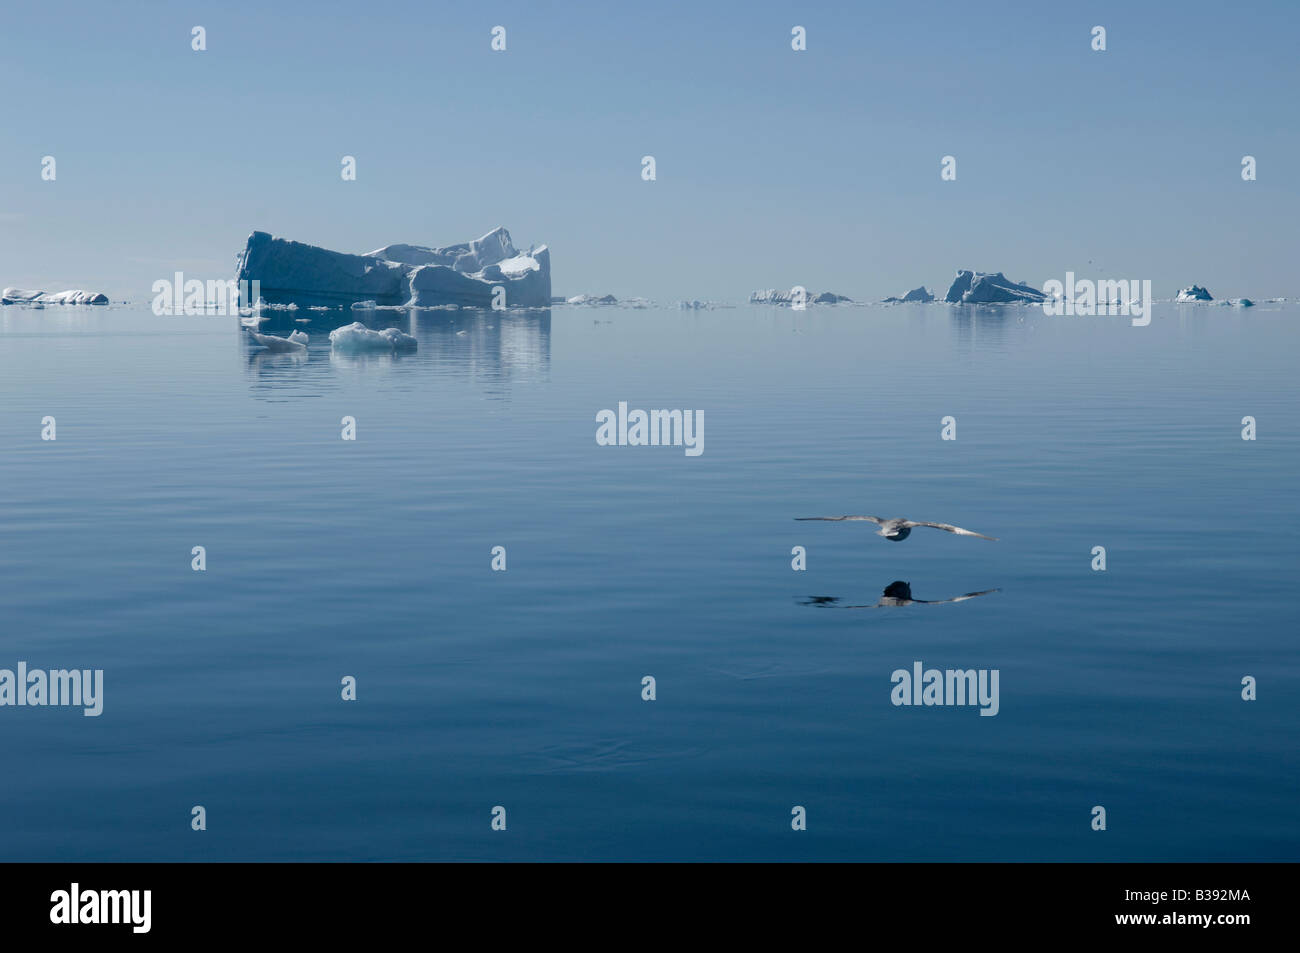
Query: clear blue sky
pixel 775 168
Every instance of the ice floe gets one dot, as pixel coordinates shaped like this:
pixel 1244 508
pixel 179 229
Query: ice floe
pixel 357 337
pixel 296 341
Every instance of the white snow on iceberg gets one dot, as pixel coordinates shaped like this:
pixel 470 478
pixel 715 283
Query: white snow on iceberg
pixel 357 337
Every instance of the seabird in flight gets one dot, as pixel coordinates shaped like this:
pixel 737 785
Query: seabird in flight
pixel 899 529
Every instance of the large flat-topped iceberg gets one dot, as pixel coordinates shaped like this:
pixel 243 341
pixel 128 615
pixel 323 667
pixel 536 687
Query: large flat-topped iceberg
pixel 468 274
pixel 19 296
pixel 976 287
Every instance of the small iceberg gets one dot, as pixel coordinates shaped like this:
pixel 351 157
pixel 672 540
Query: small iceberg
pixel 594 301
pixel 977 287
pixel 921 294
pixel 356 337
pixel 19 296
pixel 786 298
pixel 1193 293
pixel 295 342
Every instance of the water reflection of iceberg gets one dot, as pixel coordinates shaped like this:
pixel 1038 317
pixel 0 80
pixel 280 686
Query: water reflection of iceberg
pixel 494 347
pixel 981 327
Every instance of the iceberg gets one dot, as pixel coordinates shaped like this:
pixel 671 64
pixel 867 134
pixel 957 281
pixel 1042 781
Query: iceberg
pixel 786 298
pixel 592 300
pixel 19 296
pixel 357 337
pixel 921 294
pixel 1193 293
pixel 977 287
pixel 415 276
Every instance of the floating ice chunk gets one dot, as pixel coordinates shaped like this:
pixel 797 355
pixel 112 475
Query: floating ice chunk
pixel 592 300
pixel 357 337
pixel 364 305
pixel 1193 293
pixel 297 341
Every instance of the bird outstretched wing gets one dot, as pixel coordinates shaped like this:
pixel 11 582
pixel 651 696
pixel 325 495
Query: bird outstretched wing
pixel 949 528
pixel 969 595
pixel 870 519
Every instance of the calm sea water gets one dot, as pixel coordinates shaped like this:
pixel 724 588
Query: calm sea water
pixel 328 558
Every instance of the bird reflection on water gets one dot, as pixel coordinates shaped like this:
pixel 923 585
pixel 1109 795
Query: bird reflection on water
pixel 896 595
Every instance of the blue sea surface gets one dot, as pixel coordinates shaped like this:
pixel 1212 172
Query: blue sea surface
pixel 522 689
